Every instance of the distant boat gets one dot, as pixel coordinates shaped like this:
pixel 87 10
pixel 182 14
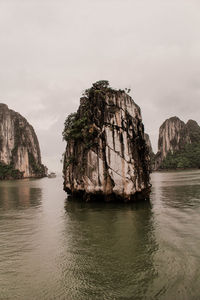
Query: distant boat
pixel 51 175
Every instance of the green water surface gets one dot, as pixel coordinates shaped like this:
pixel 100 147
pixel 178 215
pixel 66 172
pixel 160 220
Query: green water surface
pixel 51 248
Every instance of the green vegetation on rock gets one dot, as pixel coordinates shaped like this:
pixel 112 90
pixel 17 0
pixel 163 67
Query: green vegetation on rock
pixel 181 142
pixel 194 131
pixel 78 126
pixel 39 170
pixel 74 127
pixel 8 172
pixel 189 157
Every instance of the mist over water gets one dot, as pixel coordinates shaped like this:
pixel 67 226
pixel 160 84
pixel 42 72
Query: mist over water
pixel 51 248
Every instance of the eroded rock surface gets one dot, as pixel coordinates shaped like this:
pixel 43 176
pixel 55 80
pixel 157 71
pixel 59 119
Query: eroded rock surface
pixel 194 131
pixel 106 155
pixel 19 148
pixel 173 136
pixel 151 153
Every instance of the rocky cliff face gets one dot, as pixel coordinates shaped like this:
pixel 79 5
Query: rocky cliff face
pixel 151 153
pixel 173 136
pixel 148 142
pixel 106 155
pixel 194 131
pixel 19 147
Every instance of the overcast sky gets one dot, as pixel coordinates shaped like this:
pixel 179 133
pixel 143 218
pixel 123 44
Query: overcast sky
pixel 50 51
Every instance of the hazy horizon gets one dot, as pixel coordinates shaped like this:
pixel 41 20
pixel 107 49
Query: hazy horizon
pixel 52 51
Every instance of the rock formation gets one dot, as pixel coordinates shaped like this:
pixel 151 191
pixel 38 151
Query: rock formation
pixel 194 131
pixel 151 153
pixel 106 155
pixel 148 142
pixel 19 148
pixel 174 134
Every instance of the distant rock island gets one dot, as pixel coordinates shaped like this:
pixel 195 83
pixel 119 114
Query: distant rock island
pixel 19 148
pixel 178 145
pixel 151 153
pixel 106 156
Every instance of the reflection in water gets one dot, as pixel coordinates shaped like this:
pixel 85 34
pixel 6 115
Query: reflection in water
pixel 111 251
pixel 18 224
pixel 16 194
pixel 68 250
pixel 176 206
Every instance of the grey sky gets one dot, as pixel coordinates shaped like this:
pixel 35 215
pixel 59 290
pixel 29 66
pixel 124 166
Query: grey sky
pixel 50 51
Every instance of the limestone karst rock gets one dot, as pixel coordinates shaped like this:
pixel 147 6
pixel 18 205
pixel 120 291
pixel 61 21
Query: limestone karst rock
pixel 106 155
pixel 173 136
pixel 148 142
pixel 19 148
pixel 194 131
pixel 151 153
